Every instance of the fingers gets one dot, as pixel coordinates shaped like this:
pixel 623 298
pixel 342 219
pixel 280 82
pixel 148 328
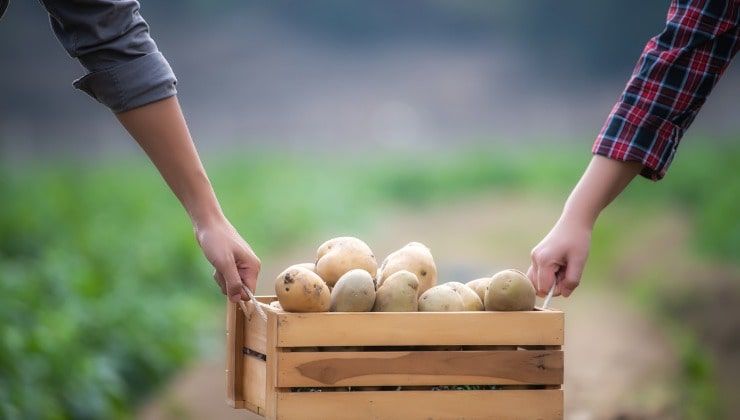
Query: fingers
pixel 234 286
pixel 532 272
pixel 220 281
pixel 572 278
pixel 546 278
pixel 248 266
pixel 543 272
pixel 531 275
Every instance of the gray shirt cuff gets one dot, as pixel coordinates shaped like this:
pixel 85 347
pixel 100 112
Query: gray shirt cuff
pixel 135 83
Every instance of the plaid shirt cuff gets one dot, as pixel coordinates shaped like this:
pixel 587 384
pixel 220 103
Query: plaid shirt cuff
pixel 633 134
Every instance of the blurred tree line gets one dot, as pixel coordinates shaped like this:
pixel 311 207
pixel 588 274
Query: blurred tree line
pixel 591 36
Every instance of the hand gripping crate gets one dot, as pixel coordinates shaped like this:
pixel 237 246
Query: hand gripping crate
pixel 395 365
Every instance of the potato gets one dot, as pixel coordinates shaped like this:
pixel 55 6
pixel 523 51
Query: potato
pixel 471 301
pixel 510 290
pixel 479 286
pixel 399 293
pixel 414 257
pixel 353 292
pixel 309 266
pixel 301 290
pixel 440 299
pixel 337 256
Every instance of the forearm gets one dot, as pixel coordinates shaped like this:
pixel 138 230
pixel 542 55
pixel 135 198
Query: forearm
pixel 601 183
pixel 161 131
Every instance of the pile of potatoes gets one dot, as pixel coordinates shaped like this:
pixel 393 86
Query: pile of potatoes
pixel 346 278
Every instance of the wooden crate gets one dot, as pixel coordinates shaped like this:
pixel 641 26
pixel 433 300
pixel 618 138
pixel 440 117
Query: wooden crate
pixel 384 365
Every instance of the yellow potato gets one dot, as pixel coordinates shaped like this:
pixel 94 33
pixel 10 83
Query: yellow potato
pixel 398 294
pixel 340 255
pixel 301 290
pixel 510 290
pixel 353 292
pixel 414 257
pixel 471 301
pixel 440 299
pixel 309 266
pixel 479 286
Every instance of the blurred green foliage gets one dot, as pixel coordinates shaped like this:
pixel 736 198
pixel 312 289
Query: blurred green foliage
pixel 104 294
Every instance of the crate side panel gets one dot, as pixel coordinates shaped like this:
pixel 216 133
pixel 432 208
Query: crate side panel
pixel 328 369
pixel 271 367
pixel 423 405
pixel 234 345
pixel 255 331
pixel 255 372
pixel 420 328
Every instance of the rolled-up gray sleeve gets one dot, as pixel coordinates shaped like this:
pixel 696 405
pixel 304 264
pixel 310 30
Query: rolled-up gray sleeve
pixel 111 40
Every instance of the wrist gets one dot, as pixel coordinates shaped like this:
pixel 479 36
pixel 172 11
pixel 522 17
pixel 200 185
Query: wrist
pixel 200 201
pixel 207 217
pixel 579 218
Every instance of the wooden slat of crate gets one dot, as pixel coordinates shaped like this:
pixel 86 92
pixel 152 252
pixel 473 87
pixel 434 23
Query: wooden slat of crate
pixel 326 369
pixel 410 405
pixel 255 372
pixel 245 375
pixel 255 330
pixel 271 367
pixel 234 344
pixel 420 328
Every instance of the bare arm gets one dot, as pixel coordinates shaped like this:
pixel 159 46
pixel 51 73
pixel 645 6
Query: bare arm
pixel 672 79
pixel 127 73
pixel 160 130
pixel 562 254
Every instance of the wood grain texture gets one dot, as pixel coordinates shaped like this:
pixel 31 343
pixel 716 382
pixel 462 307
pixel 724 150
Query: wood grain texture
pixel 271 367
pixel 255 373
pixel 255 330
pixel 234 345
pixel 420 328
pixel 263 386
pixel 422 405
pixel 327 369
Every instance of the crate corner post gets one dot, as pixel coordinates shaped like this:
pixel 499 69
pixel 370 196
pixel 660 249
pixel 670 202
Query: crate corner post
pixel 234 345
pixel 271 390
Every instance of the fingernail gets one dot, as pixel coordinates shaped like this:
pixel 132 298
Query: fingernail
pixel 235 298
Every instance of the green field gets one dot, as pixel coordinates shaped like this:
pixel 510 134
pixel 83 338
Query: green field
pixel 104 294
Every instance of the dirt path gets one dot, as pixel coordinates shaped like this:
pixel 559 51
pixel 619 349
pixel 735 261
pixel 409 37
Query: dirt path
pixel 618 364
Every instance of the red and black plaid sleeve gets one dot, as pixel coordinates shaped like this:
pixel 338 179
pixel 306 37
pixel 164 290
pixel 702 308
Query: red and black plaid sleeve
pixel 673 77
